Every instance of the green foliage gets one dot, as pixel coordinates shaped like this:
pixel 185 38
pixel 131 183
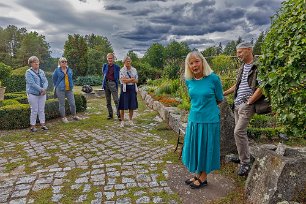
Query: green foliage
pixel 5 72
pixel 8 102
pixel 89 80
pixel 282 66
pixel 14 115
pixel 258 44
pixel 16 46
pixel 268 133
pixel 16 82
pixel 146 72
pixel 171 71
pixel 155 56
pixel 33 44
pixel 225 65
pixel 76 52
pixel 168 87
pixel 175 52
pixel 261 121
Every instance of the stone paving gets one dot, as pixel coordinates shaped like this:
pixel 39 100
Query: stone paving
pixel 102 165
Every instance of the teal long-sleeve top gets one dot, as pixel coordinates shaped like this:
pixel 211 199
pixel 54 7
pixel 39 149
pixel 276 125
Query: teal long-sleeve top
pixel 204 95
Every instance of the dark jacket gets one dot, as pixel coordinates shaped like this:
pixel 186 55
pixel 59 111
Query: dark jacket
pixel 252 78
pixel 116 74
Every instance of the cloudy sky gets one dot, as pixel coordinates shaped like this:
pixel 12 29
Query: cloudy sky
pixel 136 24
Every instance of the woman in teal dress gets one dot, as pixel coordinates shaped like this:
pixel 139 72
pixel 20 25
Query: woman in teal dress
pixel 201 152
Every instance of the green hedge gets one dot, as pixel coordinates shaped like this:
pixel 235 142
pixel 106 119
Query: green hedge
pixel 14 115
pixel 16 82
pixel 88 80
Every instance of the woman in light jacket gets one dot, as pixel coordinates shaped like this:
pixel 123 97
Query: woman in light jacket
pixel 63 84
pixel 36 88
pixel 128 95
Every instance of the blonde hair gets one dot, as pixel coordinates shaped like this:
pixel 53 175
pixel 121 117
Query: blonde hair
pixel 32 59
pixel 206 68
pixel 61 59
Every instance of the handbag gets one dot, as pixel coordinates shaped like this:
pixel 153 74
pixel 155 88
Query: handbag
pixel 262 106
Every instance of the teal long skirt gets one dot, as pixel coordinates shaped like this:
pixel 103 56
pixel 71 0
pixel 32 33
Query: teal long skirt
pixel 201 150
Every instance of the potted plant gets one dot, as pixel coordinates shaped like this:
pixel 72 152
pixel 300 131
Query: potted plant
pixel 5 71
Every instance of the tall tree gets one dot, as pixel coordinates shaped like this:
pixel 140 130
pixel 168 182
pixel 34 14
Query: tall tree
pixel 258 43
pixel 33 44
pixel 98 47
pixel 219 49
pixel 230 48
pixel 10 41
pixel 176 52
pixel 75 50
pixel 210 51
pixel 155 55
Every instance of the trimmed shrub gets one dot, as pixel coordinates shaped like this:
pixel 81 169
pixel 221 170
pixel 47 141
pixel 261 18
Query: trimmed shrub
pixel 5 72
pixel 16 82
pixel 8 102
pixel 15 115
pixel 258 133
pixel 91 80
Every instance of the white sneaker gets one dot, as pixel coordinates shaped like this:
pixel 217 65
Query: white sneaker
pixel 65 120
pixel 122 124
pixel 131 123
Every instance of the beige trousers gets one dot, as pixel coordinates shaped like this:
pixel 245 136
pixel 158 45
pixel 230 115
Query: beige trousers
pixel 243 114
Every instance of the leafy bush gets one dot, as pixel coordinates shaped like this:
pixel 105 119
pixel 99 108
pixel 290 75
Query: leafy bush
pixel 269 133
pixel 168 87
pixel 282 66
pixel 5 72
pixel 8 102
pixel 16 82
pixel 146 72
pixel 14 115
pixel 261 121
pixel 92 80
pixel 171 72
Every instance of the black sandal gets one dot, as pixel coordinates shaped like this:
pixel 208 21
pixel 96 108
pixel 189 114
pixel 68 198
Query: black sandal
pixel 202 184
pixel 190 181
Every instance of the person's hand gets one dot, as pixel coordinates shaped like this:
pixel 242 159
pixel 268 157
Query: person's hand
pixel 43 92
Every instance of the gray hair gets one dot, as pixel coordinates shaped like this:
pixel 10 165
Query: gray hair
pixel 32 59
pixel 61 59
pixel 126 58
pixel 244 45
pixel 206 68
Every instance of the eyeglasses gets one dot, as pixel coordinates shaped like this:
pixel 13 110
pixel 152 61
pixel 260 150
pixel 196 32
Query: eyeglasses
pixel 63 61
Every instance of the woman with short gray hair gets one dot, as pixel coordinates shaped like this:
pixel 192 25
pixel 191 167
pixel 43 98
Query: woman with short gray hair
pixel 128 95
pixel 36 88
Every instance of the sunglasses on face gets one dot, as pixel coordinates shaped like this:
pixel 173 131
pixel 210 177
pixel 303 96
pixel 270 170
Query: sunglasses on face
pixel 63 61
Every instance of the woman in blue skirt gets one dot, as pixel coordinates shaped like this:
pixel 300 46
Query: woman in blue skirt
pixel 128 95
pixel 201 152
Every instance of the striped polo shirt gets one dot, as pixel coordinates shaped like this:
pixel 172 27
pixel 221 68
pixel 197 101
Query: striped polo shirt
pixel 244 91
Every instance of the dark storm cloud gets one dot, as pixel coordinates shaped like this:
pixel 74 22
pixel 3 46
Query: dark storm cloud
pixel 114 7
pixel 5 21
pixel 146 32
pixel 135 1
pixel 136 24
pixel 267 5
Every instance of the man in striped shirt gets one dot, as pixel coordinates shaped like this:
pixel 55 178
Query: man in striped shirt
pixel 246 93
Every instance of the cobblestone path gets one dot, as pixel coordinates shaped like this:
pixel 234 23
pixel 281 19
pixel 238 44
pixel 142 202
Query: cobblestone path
pixel 106 164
